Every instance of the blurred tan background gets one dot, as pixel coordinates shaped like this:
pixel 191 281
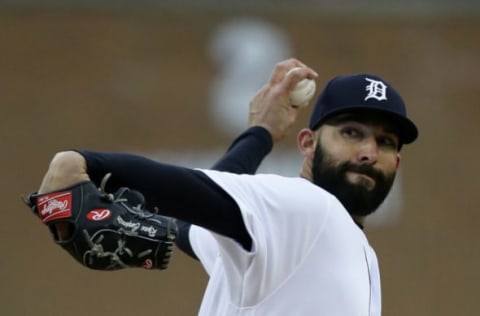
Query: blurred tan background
pixel 140 78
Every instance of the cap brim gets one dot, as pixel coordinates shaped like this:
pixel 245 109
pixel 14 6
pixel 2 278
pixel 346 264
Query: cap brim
pixel 407 130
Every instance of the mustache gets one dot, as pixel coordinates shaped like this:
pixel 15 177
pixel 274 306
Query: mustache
pixel 367 170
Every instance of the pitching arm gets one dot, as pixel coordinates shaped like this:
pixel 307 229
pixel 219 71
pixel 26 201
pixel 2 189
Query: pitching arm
pixel 177 192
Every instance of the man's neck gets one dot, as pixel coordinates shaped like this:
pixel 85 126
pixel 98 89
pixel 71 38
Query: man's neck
pixel 359 220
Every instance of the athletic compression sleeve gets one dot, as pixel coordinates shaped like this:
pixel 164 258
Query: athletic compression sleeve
pixel 246 152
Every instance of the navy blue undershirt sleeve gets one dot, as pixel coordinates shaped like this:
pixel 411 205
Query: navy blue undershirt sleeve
pixel 183 240
pixel 183 193
pixel 246 152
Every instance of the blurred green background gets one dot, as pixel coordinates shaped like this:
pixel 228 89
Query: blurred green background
pixel 145 76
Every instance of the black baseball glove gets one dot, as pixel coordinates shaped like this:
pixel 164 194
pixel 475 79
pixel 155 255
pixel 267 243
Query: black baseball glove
pixel 106 231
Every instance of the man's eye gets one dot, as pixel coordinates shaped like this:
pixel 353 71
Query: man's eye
pixel 388 142
pixel 351 132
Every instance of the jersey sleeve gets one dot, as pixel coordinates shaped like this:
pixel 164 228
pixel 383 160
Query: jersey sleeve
pixel 284 217
pixel 244 156
pixel 204 246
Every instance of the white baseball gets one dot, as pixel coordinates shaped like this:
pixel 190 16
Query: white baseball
pixel 303 92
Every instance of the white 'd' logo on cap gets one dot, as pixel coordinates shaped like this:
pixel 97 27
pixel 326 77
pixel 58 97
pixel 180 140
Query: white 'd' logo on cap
pixel 376 89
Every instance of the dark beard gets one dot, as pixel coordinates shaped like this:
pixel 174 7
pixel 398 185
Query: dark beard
pixel 356 198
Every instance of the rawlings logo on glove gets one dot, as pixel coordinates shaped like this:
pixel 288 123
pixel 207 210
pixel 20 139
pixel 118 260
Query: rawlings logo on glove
pixel 106 231
pixel 99 215
pixel 54 206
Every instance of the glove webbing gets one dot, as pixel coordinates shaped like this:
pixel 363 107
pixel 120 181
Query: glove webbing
pixel 96 248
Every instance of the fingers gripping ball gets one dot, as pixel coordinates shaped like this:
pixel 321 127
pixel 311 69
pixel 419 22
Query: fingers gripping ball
pixel 106 231
pixel 303 92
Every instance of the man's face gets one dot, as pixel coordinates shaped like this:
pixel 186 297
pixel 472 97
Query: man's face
pixel 356 160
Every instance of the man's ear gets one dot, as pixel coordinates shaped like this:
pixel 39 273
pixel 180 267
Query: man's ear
pixel 306 142
pixel 398 160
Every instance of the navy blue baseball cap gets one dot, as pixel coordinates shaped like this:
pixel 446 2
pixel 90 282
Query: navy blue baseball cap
pixel 363 92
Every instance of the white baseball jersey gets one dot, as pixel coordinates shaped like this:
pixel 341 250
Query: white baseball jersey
pixel 308 257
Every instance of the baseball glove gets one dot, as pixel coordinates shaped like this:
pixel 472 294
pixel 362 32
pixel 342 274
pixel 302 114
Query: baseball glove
pixel 106 231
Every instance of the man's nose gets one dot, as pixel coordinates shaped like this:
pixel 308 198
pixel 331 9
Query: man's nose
pixel 368 151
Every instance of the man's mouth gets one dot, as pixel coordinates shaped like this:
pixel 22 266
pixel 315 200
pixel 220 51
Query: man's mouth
pixel 361 178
